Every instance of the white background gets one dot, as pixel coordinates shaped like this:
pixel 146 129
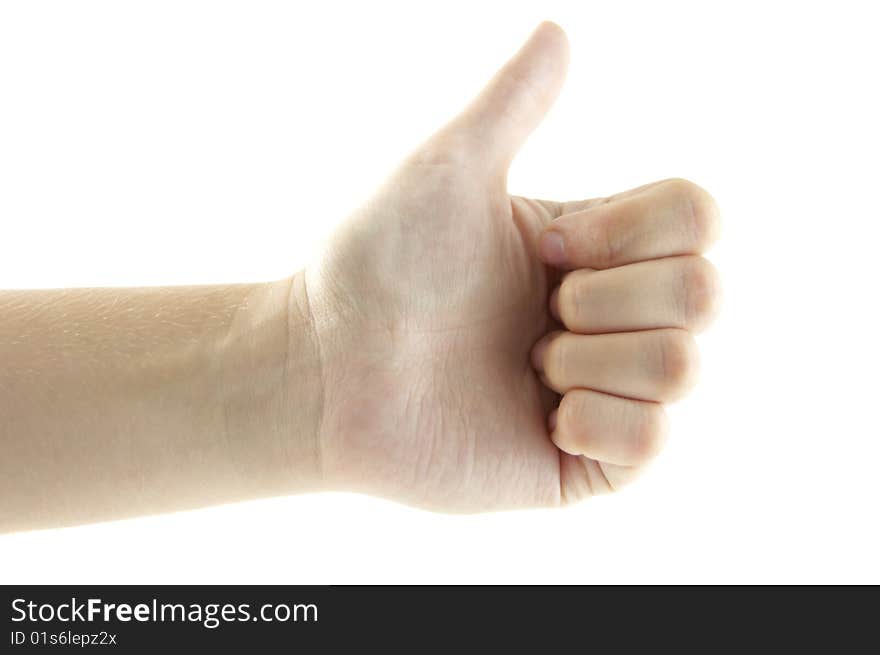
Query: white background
pixel 179 142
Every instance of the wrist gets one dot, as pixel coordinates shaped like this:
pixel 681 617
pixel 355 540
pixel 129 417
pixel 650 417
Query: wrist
pixel 273 395
pixel 305 386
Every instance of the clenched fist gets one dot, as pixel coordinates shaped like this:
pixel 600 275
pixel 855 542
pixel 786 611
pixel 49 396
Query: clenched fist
pixel 483 351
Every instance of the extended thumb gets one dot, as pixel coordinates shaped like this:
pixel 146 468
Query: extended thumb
pixel 516 99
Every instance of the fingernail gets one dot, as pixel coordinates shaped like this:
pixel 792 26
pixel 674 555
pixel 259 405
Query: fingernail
pixel 554 304
pixel 552 248
pixel 551 420
pixel 538 355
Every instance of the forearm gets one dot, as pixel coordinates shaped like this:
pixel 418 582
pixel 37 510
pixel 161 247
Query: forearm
pixel 119 402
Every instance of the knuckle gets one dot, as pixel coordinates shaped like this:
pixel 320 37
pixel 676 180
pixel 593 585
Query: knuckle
pixel 701 211
pixel 447 149
pixel 566 436
pixel 652 433
pixel 700 292
pixel 683 187
pixel 603 241
pixel 679 363
pixel 572 300
pixel 568 300
pixel 555 361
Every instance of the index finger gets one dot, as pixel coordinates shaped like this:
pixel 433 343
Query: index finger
pixel 670 218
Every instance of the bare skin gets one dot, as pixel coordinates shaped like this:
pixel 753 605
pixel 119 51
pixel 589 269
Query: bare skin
pixel 422 359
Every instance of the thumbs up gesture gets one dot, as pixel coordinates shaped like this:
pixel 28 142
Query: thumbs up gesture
pixel 483 351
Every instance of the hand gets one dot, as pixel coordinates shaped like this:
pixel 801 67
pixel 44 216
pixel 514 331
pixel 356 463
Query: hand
pixel 450 317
